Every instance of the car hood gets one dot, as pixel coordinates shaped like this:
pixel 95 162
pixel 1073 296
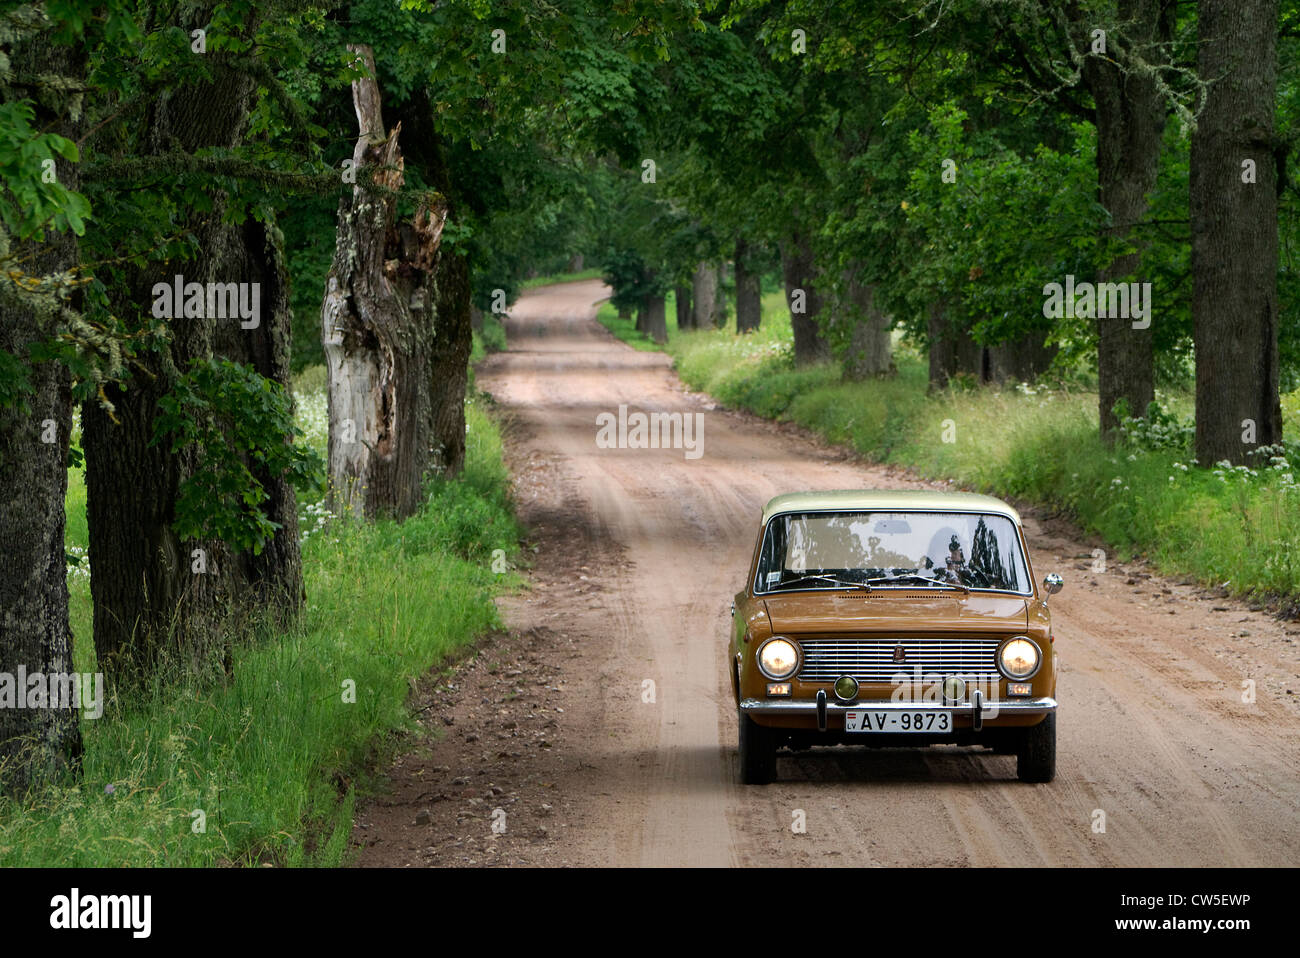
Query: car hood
pixel 891 609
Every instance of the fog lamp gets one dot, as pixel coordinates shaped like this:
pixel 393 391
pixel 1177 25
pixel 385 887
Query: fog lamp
pixel 954 689
pixel 846 688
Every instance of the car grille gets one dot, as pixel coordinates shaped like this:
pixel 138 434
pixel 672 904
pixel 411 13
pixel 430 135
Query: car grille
pixel 872 659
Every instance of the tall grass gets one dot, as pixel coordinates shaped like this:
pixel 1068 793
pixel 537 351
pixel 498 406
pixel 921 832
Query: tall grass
pixel 1236 528
pixel 269 762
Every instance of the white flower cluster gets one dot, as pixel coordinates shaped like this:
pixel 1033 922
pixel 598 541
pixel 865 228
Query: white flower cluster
pixel 81 568
pixel 1280 468
pixel 313 417
pixel 749 348
pixel 312 518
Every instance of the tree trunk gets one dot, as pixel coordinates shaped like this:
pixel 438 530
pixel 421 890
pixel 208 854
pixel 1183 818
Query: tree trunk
pixel 870 351
pixel 749 297
pixel 37 744
pixel 704 296
pixel 1234 233
pixel 799 272
pixel 575 263
pixel 1130 120
pixel 655 324
pixel 1020 360
pixel 953 351
pixel 160 601
pixel 682 303
pixel 720 300
pixel 451 309
pixel 449 362
pixel 943 354
pixel 375 328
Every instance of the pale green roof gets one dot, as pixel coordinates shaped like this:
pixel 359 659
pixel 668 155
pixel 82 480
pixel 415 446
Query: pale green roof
pixel 884 500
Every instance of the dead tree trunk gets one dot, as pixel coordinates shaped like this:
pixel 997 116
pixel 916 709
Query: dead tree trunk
pixel 376 327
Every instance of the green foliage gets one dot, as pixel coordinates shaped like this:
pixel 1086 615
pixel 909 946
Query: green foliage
pixel 309 229
pixel 629 277
pixel 215 408
pixel 34 200
pixel 275 757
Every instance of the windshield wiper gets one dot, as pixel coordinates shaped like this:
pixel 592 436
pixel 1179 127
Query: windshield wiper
pixel 820 578
pixel 914 577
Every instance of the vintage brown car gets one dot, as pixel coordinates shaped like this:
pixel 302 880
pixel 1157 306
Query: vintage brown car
pixel 887 618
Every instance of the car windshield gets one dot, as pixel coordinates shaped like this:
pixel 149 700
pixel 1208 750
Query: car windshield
pixel 891 550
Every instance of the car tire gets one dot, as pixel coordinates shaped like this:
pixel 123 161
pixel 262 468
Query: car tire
pixel 757 752
pixel 1036 759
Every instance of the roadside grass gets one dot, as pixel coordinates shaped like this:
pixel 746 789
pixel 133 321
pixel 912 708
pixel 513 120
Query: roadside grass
pixel 274 758
pixel 490 339
pixel 1037 444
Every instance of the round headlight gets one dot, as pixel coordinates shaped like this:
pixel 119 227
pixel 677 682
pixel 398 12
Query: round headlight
pixel 778 658
pixel 1019 658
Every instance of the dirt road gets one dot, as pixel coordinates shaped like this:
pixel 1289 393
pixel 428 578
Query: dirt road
pixel 554 735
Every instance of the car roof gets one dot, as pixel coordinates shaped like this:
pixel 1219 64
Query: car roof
pixel 887 500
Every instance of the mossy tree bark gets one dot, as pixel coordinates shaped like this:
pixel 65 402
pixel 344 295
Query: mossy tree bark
pixel 37 744
pixel 1234 233
pixel 1130 117
pixel 160 601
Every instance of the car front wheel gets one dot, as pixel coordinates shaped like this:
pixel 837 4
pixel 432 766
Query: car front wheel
pixel 1036 760
pixel 757 752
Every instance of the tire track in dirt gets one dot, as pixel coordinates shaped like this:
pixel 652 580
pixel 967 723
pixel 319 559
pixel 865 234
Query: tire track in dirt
pixel 640 553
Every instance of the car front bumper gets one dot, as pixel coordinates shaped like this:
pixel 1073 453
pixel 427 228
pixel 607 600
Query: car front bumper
pixel 988 709
pixel 822 707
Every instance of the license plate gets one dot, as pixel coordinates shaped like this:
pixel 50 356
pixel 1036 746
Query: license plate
pixel 865 720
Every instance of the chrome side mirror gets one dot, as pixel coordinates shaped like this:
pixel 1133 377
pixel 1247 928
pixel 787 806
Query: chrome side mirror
pixel 1052 584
